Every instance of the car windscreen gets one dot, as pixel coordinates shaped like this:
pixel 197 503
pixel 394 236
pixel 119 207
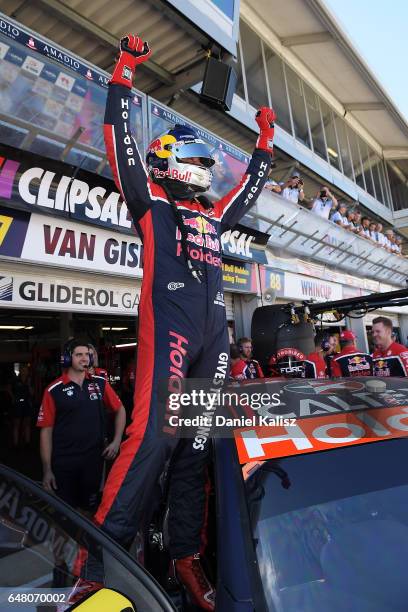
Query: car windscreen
pixel 330 529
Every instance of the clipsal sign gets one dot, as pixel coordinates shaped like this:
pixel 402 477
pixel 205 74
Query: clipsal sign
pixel 321 433
pixel 245 243
pixel 41 184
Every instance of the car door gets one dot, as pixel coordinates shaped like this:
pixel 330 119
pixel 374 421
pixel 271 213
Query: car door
pixel 40 541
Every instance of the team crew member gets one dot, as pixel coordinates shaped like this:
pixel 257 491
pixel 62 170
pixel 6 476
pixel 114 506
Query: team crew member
pixel 182 323
pixel 72 435
pixel 238 370
pixel 330 352
pixel 315 365
pixel 95 369
pixel 389 358
pixel 350 361
pixel 253 369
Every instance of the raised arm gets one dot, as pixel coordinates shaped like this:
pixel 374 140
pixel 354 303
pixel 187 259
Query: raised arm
pixel 128 169
pixel 241 198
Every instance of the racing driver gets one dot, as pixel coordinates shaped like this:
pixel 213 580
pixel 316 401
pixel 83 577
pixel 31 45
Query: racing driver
pixel 182 322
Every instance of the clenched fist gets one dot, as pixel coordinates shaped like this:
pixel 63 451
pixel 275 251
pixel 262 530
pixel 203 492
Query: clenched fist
pixel 136 47
pixel 265 118
pixel 133 51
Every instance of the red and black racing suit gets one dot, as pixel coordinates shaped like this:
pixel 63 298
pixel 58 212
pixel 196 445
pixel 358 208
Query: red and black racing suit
pixel 182 332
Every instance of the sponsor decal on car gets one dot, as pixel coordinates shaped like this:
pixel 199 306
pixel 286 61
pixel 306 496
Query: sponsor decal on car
pixel 321 433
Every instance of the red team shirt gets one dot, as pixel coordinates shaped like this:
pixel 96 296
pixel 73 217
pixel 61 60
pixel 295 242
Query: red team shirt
pixel 77 413
pixel 246 370
pixel 315 366
pixel 351 362
pixel 392 362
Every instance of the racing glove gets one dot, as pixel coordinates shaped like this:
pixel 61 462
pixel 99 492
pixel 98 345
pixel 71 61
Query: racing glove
pixel 265 118
pixel 133 51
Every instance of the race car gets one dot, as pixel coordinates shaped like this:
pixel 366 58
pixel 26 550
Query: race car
pixel 311 513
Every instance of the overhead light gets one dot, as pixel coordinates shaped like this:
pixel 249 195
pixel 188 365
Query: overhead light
pixel 114 328
pixel 16 327
pixel 332 152
pixel 126 345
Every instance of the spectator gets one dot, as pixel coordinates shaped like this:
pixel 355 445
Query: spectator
pixel 254 370
pixel 272 185
pixel 399 245
pixel 239 367
pixel 340 216
pixel 351 215
pixel 357 222
pixel 389 358
pixel 380 235
pixel 388 240
pixel 365 227
pixel 394 245
pixel 351 361
pixel 72 435
pixel 315 365
pixel 293 188
pixel 323 203
pixel 373 231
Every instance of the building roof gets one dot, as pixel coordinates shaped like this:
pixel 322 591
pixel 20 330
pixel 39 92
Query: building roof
pixel 309 37
pixel 305 33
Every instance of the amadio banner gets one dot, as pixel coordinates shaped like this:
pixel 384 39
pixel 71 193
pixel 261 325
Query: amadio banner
pixel 56 241
pixel 42 46
pixel 67 294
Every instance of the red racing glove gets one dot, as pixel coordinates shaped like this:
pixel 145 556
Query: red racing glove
pixel 133 51
pixel 265 118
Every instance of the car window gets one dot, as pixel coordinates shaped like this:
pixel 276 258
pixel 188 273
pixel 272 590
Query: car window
pixel 42 541
pixel 330 529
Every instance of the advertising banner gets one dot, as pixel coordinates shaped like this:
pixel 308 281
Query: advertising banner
pixel 272 280
pixel 63 100
pixel 41 46
pixel 239 276
pixel 59 242
pixel 307 288
pixel 41 185
pixel 245 243
pixel 67 294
